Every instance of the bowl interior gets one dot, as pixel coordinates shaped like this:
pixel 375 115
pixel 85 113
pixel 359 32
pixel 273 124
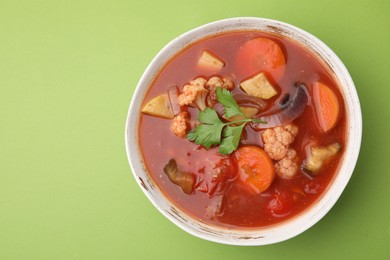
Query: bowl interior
pixel 271 234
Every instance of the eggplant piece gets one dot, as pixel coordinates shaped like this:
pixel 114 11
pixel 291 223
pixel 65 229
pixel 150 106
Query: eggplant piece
pixel 317 155
pixel 184 180
pixel 290 110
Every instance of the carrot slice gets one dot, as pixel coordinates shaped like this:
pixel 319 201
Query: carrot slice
pixel 327 106
pixel 259 55
pixel 255 168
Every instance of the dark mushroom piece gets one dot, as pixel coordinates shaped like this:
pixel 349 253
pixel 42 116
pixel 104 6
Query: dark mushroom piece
pixel 184 180
pixel 289 110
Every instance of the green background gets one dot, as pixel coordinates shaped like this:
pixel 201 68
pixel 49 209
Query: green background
pixel 68 70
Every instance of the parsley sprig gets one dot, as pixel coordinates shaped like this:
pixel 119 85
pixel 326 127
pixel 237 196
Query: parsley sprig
pixel 212 131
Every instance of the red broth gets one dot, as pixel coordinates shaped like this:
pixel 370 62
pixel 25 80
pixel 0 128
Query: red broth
pixel 225 201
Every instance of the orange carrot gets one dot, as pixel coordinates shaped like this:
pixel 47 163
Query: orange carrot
pixel 261 55
pixel 327 106
pixel 255 168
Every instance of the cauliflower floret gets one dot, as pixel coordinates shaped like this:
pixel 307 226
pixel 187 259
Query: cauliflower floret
pixel 194 93
pixel 287 167
pixel 180 123
pixel 215 82
pixel 277 143
pixel 277 140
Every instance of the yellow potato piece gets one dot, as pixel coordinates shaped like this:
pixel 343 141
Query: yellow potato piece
pixel 210 61
pixel 159 106
pixel 259 86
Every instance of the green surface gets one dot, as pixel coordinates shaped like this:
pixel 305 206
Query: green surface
pixel 67 73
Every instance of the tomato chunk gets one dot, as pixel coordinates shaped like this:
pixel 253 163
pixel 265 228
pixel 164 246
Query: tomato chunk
pixel 281 204
pixel 213 171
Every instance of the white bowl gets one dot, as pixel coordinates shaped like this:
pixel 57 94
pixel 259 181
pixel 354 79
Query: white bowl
pixel 258 236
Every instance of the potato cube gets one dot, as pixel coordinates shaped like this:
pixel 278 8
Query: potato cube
pixel 159 106
pixel 259 86
pixel 209 61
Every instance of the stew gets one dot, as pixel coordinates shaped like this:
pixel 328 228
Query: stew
pixel 243 129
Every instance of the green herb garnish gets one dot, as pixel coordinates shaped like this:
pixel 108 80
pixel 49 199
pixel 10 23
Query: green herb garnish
pixel 212 131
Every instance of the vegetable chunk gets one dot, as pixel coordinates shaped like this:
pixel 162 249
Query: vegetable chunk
pixel 194 93
pixel 290 109
pixel 159 106
pixel 318 155
pixel 259 86
pixel 327 106
pixel 209 61
pixel 255 168
pixel 185 180
pixel 261 54
pixel 277 143
pixel 277 140
pixel 216 82
pixel 180 124
pixel 287 167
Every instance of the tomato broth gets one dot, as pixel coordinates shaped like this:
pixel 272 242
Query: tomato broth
pixel 218 195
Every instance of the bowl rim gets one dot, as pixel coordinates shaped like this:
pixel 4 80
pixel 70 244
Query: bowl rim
pixel 270 234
